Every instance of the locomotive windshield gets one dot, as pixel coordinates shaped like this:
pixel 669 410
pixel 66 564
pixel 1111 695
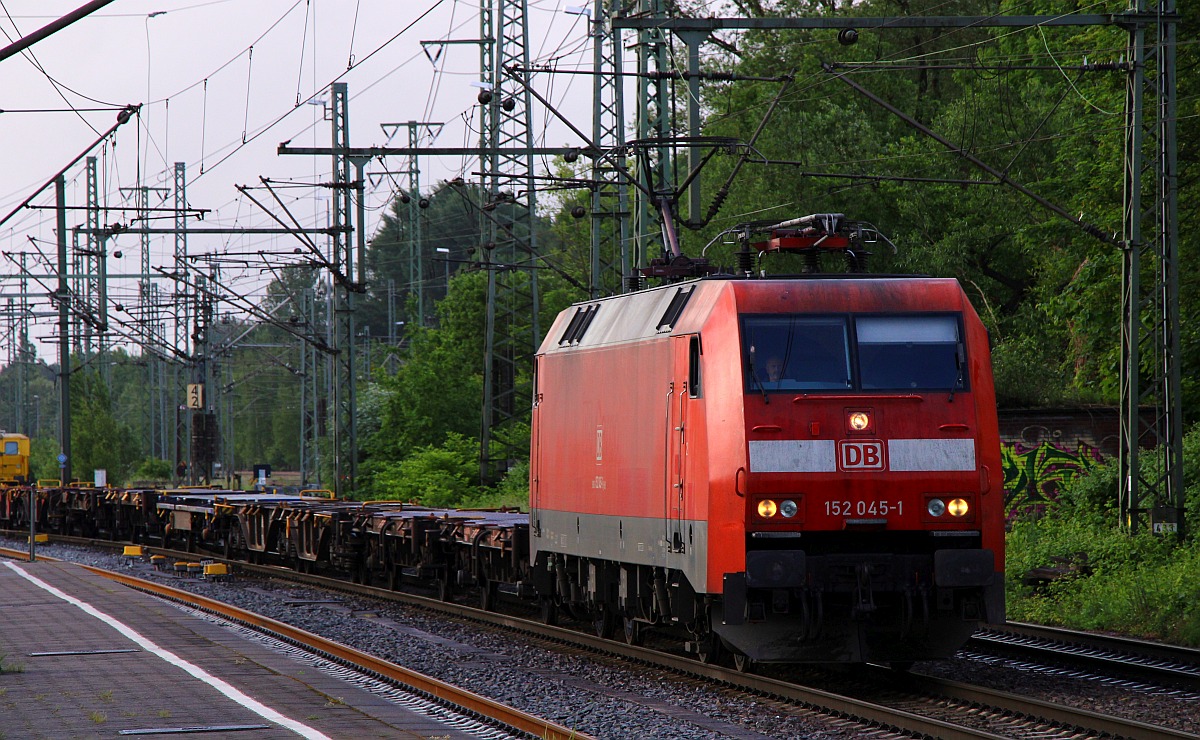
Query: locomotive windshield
pixel 915 352
pixel 869 353
pixel 798 352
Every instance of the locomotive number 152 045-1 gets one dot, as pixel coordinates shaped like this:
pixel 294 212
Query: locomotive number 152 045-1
pixel 876 507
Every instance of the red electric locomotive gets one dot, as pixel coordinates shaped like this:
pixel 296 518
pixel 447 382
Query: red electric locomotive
pixel 799 469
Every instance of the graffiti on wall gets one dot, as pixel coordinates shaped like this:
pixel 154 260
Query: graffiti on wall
pixel 1034 474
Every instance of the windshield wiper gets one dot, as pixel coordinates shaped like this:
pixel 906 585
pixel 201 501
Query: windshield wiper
pixel 754 378
pixel 958 364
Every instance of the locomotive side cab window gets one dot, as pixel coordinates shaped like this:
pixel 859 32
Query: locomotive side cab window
pixel 11 448
pixel 694 387
pixel 910 353
pixel 797 353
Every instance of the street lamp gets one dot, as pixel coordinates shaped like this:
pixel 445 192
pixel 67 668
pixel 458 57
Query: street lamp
pixel 446 260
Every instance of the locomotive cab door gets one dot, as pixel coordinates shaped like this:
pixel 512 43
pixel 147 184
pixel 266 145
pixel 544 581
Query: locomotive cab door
pixel 683 395
pixel 535 450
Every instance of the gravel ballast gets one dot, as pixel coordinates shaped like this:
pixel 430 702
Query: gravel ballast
pixel 597 697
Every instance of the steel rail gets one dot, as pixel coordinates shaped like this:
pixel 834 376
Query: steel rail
pixel 1115 643
pixel 440 690
pixel 808 697
pixel 814 699
pixel 1175 665
pixel 819 700
pixel 1064 716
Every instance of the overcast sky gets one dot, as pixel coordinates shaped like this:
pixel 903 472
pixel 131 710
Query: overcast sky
pixel 219 83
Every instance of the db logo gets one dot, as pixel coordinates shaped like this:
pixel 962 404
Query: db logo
pixel 860 455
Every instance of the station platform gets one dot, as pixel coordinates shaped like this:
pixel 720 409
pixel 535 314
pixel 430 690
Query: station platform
pixel 83 657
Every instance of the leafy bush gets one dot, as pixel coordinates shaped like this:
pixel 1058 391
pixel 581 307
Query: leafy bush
pixel 1015 385
pixel 1140 584
pixel 152 470
pixel 511 493
pixel 433 476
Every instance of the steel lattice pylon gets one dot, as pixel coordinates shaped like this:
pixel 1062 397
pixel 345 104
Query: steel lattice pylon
pixel 417 131
pixel 345 437
pixel 20 354
pixel 510 241
pixel 1150 345
pixel 610 192
pixel 653 125
pixel 182 319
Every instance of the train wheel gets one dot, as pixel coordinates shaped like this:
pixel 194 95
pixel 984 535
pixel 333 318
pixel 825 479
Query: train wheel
pixel 487 595
pixel 633 631
pixel 743 663
pixel 708 644
pixel 708 649
pixel 603 622
pixel 549 612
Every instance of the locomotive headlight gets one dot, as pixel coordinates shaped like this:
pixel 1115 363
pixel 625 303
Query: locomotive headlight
pixel 859 420
pixel 788 508
pixel 958 507
pixel 767 508
pixel 936 507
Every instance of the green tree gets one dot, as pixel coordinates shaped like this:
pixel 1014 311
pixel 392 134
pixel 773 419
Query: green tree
pixel 1048 291
pixel 451 220
pixel 98 439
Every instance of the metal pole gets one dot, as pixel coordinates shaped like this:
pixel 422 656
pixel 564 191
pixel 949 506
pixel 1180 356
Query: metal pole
pixel 64 346
pixel 52 28
pixel 693 39
pixel 32 525
pixel 1131 308
pixel 414 224
pixel 391 309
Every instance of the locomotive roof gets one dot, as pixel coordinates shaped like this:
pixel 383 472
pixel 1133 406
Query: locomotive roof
pixel 660 310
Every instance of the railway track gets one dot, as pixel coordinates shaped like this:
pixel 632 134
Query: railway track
pixel 1094 654
pixel 364 666
pixel 902 705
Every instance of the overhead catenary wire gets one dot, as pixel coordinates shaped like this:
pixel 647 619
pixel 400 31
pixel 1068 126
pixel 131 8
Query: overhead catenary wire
pixel 470 111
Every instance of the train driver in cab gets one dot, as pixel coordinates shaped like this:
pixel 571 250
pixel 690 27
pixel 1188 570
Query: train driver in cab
pixel 774 369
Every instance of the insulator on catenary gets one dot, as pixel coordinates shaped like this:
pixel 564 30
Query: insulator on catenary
pixel 812 262
pixel 745 261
